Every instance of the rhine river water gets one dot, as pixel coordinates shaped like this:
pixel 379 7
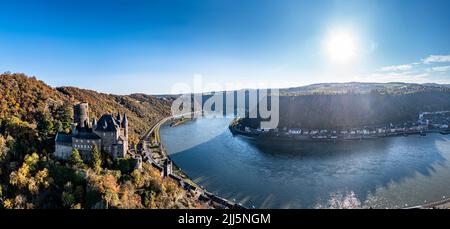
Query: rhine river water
pixel 390 172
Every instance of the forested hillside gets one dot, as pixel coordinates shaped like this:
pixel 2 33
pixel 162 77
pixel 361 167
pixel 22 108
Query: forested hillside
pixel 30 116
pixel 358 110
pixel 357 104
pixel 142 111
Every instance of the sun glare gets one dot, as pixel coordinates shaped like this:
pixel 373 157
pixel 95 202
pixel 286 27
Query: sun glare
pixel 341 47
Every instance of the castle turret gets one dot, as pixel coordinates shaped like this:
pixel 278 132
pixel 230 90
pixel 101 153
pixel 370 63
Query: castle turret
pixel 81 114
pixel 125 125
pixel 119 117
pixel 74 129
pixel 94 123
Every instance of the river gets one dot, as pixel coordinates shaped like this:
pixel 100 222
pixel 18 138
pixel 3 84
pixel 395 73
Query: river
pixel 390 172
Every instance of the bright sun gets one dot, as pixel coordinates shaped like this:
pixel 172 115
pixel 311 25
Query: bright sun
pixel 341 47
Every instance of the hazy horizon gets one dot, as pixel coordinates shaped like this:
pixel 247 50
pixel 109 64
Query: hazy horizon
pixel 282 88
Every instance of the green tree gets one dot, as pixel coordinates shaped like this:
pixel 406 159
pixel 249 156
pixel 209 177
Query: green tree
pixel 67 199
pixel 96 161
pixel 44 124
pixel 63 115
pixel 106 159
pixel 75 158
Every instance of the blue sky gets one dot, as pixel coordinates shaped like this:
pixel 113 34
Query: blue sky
pixel 149 46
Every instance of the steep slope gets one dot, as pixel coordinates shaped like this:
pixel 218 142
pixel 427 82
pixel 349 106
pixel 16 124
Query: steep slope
pixel 142 111
pixel 23 97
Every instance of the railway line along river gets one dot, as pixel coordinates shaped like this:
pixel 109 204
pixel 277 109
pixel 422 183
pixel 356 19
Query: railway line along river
pixel 394 172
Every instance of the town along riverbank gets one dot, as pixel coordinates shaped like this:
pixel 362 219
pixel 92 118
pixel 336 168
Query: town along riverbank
pixel 391 130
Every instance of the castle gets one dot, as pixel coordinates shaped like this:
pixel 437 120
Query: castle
pixel 109 134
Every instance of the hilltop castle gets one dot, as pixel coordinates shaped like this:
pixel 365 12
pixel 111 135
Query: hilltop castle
pixel 109 134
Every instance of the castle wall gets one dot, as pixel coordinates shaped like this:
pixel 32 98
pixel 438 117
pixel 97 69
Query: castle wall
pixel 85 146
pixel 125 147
pixel 118 151
pixel 62 151
pixel 108 139
pixel 111 144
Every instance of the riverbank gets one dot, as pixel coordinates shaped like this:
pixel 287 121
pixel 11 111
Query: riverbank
pixel 155 153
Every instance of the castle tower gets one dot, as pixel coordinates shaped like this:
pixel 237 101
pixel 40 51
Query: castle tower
pixel 167 167
pixel 81 114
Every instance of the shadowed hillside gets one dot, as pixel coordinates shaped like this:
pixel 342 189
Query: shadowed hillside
pixel 338 111
pixel 357 104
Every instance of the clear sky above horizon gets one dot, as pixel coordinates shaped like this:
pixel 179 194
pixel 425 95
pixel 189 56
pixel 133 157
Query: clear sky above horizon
pixel 148 46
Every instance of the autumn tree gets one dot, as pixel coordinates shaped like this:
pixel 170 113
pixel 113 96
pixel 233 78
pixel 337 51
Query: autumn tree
pixel 129 199
pixel 28 177
pixel 24 134
pixel 8 204
pixel 110 190
pixel 3 148
pixel 20 177
pixel 106 186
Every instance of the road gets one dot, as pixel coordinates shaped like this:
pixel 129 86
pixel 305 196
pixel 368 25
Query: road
pixel 147 135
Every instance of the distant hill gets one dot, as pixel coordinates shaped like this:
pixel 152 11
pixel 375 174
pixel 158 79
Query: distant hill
pixel 363 88
pixel 344 105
